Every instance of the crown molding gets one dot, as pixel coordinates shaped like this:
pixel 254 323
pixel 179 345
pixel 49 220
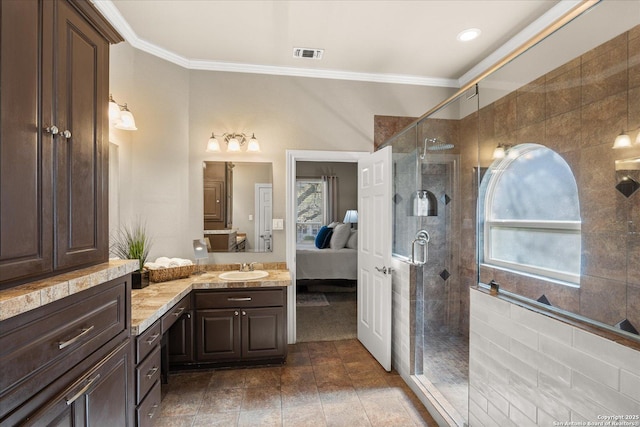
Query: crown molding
pixel 113 15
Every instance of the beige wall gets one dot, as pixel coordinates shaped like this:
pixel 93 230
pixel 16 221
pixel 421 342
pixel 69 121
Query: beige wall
pixel 176 110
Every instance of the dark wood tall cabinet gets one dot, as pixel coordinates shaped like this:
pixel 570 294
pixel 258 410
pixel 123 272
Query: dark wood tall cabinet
pixel 54 59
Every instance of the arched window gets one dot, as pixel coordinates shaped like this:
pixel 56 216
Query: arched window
pixel 531 215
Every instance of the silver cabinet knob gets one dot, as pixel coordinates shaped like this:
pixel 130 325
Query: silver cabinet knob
pixel 66 133
pixel 53 130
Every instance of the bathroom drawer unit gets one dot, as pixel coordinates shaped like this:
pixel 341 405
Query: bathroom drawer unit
pixel 149 409
pixel 41 350
pixel 240 325
pixel 238 298
pixel 175 313
pixel 148 341
pixel 147 374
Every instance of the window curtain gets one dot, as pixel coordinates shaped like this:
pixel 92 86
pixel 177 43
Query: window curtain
pixel 331 200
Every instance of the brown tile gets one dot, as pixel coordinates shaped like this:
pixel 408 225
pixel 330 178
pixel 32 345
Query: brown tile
pixel 504 114
pixel 299 394
pixel 374 387
pixel 633 305
pixel 263 377
pixel 563 132
pixel 531 103
pixel 345 414
pixel 386 412
pixel 604 256
pixel 301 347
pixel 365 368
pixel 296 375
pixel 266 418
pixel 633 260
pixel 602 300
pixel 177 421
pixel 310 415
pixel 298 359
pixel 222 400
pixel 534 133
pixel 634 110
pixel 181 403
pixel 634 62
pixel 606 73
pixel 224 419
pixel 334 394
pixel 564 92
pixel 228 378
pixel 603 120
pixel 261 399
pixel 331 374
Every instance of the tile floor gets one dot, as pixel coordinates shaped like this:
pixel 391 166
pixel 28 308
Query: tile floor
pixel 329 383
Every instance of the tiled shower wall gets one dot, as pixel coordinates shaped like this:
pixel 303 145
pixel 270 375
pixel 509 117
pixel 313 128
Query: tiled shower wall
pixel 527 369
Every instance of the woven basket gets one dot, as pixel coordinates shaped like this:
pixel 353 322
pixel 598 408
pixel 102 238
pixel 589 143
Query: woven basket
pixel 172 273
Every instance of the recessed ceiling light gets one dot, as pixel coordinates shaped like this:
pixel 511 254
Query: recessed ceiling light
pixel 468 35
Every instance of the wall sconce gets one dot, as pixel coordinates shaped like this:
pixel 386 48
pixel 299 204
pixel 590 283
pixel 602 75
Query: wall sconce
pixel 234 141
pixel 500 151
pixel 624 140
pixel 120 115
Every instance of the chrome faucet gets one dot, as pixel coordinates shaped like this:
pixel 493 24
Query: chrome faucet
pixel 251 265
pixel 243 266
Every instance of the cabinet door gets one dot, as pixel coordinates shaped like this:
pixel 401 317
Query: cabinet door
pixel 213 204
pixel 263 332
pixel 25 150
pixel 100 397
pixel 180 340
pixel 218 335
pixel 81 158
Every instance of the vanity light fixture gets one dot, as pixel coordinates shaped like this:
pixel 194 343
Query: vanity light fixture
pixel 624 140
pixel 234 143
pixel 500 151
pixel 120 116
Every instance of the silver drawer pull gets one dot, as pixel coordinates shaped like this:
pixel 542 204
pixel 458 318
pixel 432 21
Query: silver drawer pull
pixel 152 338
pixel 239 299
pixel 152 372
pixel 83 390
pixel 153 412
pixel 84 332
pixel 178 312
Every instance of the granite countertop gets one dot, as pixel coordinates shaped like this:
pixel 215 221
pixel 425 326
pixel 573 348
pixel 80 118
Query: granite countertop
pixel 224 231
pixel 23 298
pixel 151 303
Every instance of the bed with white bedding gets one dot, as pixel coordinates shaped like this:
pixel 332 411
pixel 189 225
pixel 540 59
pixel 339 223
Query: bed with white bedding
pixel 334 255
pixel 313 263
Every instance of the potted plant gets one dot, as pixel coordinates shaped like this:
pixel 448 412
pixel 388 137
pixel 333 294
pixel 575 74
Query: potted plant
pixel 133 242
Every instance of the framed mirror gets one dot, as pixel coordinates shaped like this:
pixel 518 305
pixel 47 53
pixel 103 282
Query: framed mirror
pixel 237 206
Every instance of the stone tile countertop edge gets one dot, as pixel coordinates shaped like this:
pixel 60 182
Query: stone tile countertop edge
pixel 151 303
pixel 32 295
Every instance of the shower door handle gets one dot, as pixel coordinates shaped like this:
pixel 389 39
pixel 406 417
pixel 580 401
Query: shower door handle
pixel 422 238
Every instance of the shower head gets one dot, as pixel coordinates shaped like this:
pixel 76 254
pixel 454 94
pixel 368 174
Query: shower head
pixel 436 144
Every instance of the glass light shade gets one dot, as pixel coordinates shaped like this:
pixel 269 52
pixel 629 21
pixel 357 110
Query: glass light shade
pixel 499 152
pixel 213 146
pixel 253 144
pixel 351 216
pixel 114 111
pixel 127 122
pixel 622 141
pixel 233 145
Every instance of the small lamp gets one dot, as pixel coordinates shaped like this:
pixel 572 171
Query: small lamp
pixel 253 145
pixel 127 122
pixel 351 217
pixel 233 145
pixel 499 152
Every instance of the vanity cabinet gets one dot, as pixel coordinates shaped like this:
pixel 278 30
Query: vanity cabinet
pixel 69 362
pixel 178 327
pixel 240 325
pixel 147 375
pixel 218 195
pixel 54 89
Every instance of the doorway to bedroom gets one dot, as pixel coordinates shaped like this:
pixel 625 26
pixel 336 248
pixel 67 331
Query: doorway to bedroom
pixel 326 198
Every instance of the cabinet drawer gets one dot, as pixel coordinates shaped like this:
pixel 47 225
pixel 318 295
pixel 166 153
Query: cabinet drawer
pixel 149 409
pixel 174 314
pixel 147 373
pixel 44 343
pixel 240 298
pixel 148 341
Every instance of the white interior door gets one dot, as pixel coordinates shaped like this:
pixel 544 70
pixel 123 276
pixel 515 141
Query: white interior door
pixel 374 254
pixel 263 203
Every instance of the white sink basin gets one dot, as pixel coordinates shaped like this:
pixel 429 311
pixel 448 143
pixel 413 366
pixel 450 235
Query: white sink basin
pixel 243 275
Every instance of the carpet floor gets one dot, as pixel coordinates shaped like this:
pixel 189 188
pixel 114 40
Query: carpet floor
pixel 335 321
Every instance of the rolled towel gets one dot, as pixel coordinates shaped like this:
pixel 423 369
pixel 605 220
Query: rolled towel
pixel 182 262
pixel 153 266
pixel 163 260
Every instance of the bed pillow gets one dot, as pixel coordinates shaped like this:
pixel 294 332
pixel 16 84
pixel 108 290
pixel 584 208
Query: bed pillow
pixel 323 238
pixel 340 236
pixel 333 224
pixel 352 243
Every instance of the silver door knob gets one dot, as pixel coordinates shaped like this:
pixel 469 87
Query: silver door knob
pixel 53 130
pixel 382 270
pixel 66 133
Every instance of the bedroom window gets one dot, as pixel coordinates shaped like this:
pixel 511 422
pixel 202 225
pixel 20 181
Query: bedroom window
pixel 532 215
pixel 310 210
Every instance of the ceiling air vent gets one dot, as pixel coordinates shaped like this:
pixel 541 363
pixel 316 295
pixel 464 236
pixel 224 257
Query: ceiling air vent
pixel 305 52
